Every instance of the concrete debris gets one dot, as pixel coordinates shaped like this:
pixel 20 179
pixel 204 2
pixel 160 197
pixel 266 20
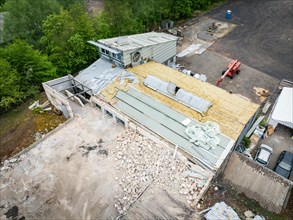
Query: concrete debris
pixel 194 48
pixel 259 217
pixel 261 93
pixel 34 105
pixel 145 165
pixel 39 135
pixel 44 106
pixel 8 164
pixel 48 109
pixel 248 214
pixel 221 211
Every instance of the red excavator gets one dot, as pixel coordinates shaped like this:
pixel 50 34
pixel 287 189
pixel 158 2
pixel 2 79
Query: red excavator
pixel 232 69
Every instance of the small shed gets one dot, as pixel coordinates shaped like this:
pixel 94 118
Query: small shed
pixel 282 112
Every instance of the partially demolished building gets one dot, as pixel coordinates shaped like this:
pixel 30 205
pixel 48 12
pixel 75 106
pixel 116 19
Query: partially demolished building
pixel 131 84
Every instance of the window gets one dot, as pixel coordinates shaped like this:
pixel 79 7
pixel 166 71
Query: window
pixel 114 55
pixel 136 57
pixel 108 113
pixel 120 121
pixel 103 50
pixel 119 56
pixel 107 52
pixel 98 106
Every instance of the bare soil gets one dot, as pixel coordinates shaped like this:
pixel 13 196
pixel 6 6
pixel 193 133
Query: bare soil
pixel 18 128
pixel 95 6
pixel 240 203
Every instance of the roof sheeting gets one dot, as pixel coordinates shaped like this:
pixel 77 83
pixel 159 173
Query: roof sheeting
pixel 136 41
pixel 283 112
pixel 98 75
pixel 167 122
pixel 186 98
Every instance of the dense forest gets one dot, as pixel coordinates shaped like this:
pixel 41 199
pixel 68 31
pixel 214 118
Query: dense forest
pixel 44 39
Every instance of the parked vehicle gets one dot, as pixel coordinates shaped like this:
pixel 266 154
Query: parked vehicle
pixel 263 154
pixel 284 164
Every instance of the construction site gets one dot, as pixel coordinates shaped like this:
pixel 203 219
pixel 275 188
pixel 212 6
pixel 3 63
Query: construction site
pixel 151 126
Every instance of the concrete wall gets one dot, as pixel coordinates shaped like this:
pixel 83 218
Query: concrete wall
pixel 58 100
pixel 63 83
pixel 257 182
pixel 109 110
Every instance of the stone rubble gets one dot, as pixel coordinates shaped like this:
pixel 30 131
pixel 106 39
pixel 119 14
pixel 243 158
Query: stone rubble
pixel 10 163
pixel 142 163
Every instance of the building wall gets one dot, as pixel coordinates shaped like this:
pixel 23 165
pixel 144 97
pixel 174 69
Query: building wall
pixel 160 53
pixel 58 100
pixel 269 189
pixel 109 110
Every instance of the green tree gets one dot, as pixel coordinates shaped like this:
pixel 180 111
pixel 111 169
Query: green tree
pixel 24 19
pixel 67 4
pixel 65 40
pixel 32 67
pixel 121 18
pixel 10 93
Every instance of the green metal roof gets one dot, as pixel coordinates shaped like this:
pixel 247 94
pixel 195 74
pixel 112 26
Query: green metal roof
pixel 167 123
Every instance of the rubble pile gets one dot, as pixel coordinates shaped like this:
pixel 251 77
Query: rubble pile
pixel 146 167
pixel 10 163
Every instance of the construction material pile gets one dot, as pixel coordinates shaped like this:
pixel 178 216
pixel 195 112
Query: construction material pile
pixel 147 167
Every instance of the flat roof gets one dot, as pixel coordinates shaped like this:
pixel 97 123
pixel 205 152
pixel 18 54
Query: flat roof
pixel 230 111
pixel 283 112
pixel 136 41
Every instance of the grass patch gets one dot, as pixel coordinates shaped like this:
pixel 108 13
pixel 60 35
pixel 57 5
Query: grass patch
pixel 11 120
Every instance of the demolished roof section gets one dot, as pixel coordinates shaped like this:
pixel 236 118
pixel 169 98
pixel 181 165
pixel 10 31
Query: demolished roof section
pixel 98 75
pixel 230 111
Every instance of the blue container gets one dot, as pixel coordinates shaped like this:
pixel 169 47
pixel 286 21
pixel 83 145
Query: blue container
pixel 228 14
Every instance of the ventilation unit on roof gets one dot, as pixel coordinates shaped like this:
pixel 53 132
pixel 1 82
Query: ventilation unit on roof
pixel 174 92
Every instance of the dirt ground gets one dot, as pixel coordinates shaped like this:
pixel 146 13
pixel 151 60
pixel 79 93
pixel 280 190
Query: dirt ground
pixel 18 128
pixel 263 38
pixel 84 171
pixel 240 203
pixel 94 6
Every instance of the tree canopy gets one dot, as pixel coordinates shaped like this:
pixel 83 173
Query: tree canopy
pixel 23 68
pixel 24 19
pixel 61 29
pixel 65 40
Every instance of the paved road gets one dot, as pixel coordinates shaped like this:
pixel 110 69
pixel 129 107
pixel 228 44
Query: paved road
pixel 264 36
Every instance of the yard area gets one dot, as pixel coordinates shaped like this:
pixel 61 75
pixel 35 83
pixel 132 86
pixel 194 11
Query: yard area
pixel 263 37
pixel 19 127
pixel 100 170
pixel 239 202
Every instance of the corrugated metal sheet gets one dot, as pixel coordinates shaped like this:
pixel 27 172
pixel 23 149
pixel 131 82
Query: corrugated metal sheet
pixel 98 75
pixel 166 122
pixel 137 41
pixel 197 103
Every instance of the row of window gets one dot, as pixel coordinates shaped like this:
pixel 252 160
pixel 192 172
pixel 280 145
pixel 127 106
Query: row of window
pixel 114 55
